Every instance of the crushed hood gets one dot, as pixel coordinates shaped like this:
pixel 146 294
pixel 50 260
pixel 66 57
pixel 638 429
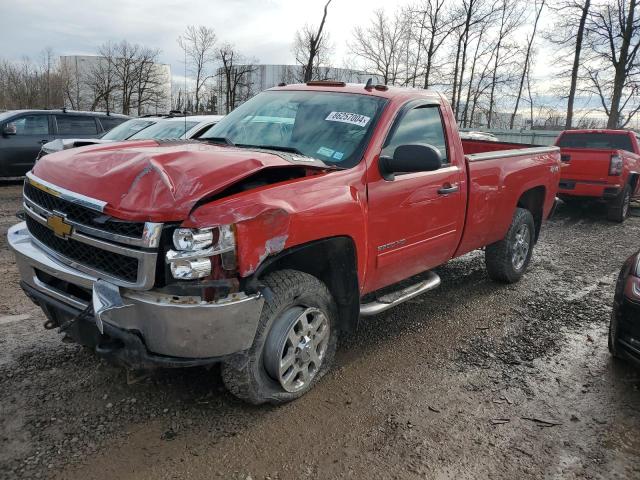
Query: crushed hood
pixel 151 181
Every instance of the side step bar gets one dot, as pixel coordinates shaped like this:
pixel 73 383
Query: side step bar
pixel 396 298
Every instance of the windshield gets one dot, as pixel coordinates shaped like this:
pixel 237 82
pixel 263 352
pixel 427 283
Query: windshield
pixel 331 127
pixel 606 141
pixel 7 114
pixel 165 130
pixel 126 129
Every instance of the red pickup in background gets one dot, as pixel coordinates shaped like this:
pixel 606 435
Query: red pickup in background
pixel 256 245
pixel 600 164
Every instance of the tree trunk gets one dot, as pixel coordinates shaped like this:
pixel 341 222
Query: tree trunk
pixel 621 69
pixel 526 65
pixel 576 64
pixel 455 73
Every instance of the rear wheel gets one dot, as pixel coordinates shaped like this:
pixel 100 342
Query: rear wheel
pixel 508 259
pixel 294 345
pixel 619 207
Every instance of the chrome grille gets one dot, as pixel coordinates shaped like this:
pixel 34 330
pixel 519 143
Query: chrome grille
pixel 73 229
pixel 81 214
pixel 112 263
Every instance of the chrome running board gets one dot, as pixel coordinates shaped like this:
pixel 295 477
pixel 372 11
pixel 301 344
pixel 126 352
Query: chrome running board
pixel 390 300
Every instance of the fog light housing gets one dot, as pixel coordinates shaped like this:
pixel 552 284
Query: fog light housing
pixel 190 268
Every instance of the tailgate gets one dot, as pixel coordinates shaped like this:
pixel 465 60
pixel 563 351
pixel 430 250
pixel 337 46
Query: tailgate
pixel 585 163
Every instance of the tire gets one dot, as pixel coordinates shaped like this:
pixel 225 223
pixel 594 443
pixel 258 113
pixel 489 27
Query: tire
pixel 296 298
pixel 619 207
pixel 508 259
pixel 612 342
pixel 612 337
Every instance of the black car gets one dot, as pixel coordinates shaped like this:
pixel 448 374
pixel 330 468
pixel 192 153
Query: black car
pixel 624 330
pixel 23 132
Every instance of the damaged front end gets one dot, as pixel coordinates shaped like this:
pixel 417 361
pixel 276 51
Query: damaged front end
pixel 138 329
pixel 144 285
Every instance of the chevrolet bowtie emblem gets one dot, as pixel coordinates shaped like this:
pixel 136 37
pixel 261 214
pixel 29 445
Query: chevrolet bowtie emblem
pixel 59 226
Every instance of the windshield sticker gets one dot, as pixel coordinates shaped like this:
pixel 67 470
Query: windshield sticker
pixel 338 156
pixel 327 152
pixel 297 158
pixel 346 117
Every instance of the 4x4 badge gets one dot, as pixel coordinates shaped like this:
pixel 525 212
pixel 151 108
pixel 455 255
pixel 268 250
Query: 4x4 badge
pixel 59 226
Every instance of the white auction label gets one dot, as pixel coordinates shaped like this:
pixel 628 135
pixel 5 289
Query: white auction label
pixel 346 117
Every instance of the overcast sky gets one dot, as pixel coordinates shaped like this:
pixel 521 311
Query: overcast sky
pixel 260 28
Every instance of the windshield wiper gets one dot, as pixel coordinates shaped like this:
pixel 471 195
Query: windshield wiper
pixel 278 148
pixel 216 140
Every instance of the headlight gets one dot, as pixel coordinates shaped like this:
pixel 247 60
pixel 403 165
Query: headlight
pixel 189 239
pixel 195 247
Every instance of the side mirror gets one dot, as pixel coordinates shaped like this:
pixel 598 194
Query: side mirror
pixel 9 129
pixel 414 157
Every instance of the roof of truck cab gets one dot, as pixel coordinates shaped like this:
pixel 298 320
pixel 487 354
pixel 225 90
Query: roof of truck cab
pixel 602 130
pixel 388 92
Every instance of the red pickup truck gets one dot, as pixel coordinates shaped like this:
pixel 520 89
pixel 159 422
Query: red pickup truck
pixel 600 164
pixel 256 245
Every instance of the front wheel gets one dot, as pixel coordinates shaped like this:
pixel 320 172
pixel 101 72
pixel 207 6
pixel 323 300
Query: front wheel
pixel 508 259
pixel 294 345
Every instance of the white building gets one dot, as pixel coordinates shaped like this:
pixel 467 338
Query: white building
pixel 261 77
pixel 88 75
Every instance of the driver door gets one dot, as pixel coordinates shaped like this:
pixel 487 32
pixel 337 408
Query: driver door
pixel 416 219
pixel 18 152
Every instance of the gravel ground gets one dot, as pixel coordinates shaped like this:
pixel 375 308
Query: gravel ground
pixel 473 380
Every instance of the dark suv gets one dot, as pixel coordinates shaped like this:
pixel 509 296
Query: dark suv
pixel 23 132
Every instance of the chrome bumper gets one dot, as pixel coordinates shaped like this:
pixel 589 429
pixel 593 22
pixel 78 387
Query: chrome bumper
pixel 175 326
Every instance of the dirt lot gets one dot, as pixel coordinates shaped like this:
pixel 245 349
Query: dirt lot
pixel 473 380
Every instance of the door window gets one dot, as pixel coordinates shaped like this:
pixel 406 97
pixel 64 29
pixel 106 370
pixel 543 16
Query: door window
pixel 76 125
pixel 418 125
pixel 31 125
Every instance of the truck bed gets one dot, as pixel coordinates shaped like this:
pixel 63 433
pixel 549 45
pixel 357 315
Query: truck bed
pixel 498 175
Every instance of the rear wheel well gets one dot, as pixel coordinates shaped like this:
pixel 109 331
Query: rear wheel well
pixel 533 200
pixel 334 262
pixel 633 181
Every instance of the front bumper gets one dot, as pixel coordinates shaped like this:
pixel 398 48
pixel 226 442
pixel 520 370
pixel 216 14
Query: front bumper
pixel 137 328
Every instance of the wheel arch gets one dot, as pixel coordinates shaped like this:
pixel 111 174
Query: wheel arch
pixel 533 200
pixel 333 261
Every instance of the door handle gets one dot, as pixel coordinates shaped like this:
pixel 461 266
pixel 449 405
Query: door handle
pixel 447 189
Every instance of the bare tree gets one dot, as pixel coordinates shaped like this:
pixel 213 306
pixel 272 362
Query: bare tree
pixel 235 72
pixel 199 43
pixel 125 63
pixel 149 79
pixel 436 22
pixel 527 60
pixel 72 83
pixel 613 33
pixel 101 79
pixel 311 48
pixel 48 72
pixel 511 15
pixel 567 35
pixel 475 17
pixel 380 46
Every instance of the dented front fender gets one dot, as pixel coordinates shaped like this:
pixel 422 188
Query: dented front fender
pixel 278 217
